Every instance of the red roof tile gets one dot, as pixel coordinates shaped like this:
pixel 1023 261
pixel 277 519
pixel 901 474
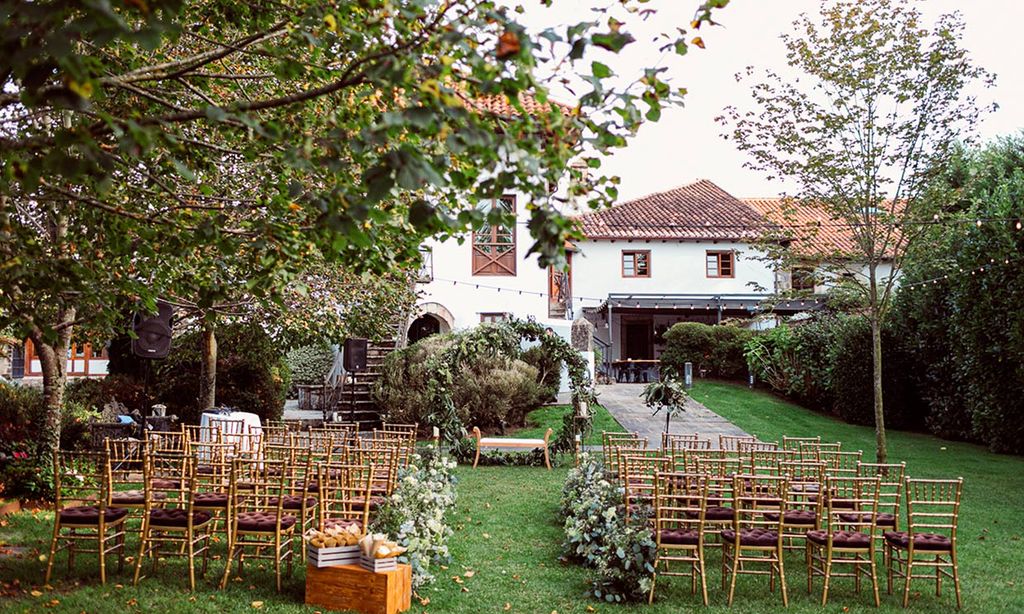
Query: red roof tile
pixel 816 232
pixel 696 211
pixel 502 106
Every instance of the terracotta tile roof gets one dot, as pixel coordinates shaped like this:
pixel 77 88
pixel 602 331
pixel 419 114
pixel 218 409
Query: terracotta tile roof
pixel 500 105
pixel 816 232
pixel 696 211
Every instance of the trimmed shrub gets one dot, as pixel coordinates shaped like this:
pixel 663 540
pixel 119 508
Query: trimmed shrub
pixel 549 372
pixel 719 350
pixel 310 364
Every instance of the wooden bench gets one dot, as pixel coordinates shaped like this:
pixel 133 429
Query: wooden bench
pixel 502 442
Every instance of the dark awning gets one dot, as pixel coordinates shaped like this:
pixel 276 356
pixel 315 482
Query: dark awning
pixel 749 303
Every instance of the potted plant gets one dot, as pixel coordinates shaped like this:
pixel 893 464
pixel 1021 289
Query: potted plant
pixel 668 395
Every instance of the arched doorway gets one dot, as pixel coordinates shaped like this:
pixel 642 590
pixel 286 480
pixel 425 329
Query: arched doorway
pixel 424 326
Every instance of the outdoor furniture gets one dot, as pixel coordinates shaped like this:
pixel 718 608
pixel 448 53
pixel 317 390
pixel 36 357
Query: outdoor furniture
pixel 680 504
pixel 793 443
pixel 731 443
pixel 636 370
pixel 82 513
pixel 667 439
pixel 933 511
pixel 811 450
pixel 755 536
pixel 170 515
pixel 502 442
pixel 254 522
pixel 639 468
pixel 613 441
pixel 806 482
pixel 851 512
pixel 889 493
pixel 841 463
pixel 344 491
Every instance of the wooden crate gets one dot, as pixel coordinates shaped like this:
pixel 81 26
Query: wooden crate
pixel 377 565
pixel 332 557
pixel 350 587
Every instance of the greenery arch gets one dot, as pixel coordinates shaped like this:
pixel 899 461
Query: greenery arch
pixel 497 339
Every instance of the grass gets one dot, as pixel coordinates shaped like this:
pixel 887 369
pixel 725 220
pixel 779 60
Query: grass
pixel 506 533
pixel 550 416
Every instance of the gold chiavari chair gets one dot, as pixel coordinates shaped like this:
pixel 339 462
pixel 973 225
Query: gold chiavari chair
pixel 212 462
pixel 805 482
pixel 82 515
pixel 638 476
pixel 731 443
pixel 719 472
pixel 851 512
pixel 612 442
pixel 680 505
pixel 398 427
pixel 811 450
pixel 403 441
pixel 344 490
pixel 746 447
pixel 297 467
pixel 171 517
pixel 794 443
pixel 841 463
pixel 166 441
pixel 233 431
pixel 195 433
pixel 755 537
pixel 124 465
pixel 890 491
pixel 765 461
pixel 253 521
pixel 383 459
pixel 668 438
pixel 686 459
pixel 276 435
pixel 933 512
pixel 718 467
pixel 348 427
pixel 321 441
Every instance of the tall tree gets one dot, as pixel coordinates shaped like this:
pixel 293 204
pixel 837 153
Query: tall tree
pixel 878 100
pixel 133 133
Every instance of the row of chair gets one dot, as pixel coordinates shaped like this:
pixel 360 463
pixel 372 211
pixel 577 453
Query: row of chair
pixel 261 488
pixel 754 500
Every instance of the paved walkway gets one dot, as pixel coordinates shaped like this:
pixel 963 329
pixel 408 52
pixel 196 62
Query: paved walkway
pixel 624 403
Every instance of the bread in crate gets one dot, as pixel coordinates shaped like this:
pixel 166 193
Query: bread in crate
pixel 376 553
pixel 332 547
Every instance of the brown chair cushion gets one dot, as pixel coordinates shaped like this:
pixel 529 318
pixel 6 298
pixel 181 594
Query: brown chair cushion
pixel 841 539
pixel 134 497
pixel 375 502
pixel 715 512
pixel 922 541
pixel 794 517
pixel 211 499
pixel 177 518
pixel 162 484
pixel 311 486
pixel 752 537
pixel 680 537
pixel 204 469
pixel 342 523
pixel 883 520
pixel 292 502
pixel 90 514
pixel 262 522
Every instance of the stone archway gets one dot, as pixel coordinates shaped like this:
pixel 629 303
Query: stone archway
pixel 429 319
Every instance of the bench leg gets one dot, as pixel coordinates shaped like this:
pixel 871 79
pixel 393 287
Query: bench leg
pixel 477 459
pixel 547 459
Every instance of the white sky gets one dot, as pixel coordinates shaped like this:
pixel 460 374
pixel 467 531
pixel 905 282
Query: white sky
pixel 686 144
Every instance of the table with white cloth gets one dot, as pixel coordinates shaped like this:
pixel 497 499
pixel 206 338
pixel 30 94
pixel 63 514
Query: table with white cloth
pixel 251 426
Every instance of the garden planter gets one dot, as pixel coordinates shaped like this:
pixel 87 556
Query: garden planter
pixel 352 588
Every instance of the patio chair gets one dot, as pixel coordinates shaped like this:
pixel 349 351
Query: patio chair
pixel 344 491
pixel 848 536
pixel 811 450
pixel 890 492
pixel 668 439
pixel 731 443
pixel 933 512
pixel 680 504
pixel 793 443
pixel 82 514
pixel 638 476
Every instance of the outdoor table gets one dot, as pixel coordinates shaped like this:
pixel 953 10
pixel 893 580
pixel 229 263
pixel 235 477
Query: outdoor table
pixel 636 370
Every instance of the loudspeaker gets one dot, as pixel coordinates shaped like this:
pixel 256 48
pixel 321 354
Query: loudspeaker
pixel 355 354
pixel 153 333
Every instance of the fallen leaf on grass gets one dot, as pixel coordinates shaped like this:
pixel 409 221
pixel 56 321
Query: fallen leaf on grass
pixel 487 535
pixel 508 606
pixel 457 579
pixel 36 593
pixel 469 574
pixel 424 600
pixel 465 590
pixel 257 605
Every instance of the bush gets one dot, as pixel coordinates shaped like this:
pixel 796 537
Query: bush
pixel 310 364
pixel 251 374
pixel 719 350
pixel 415 515
pixel 490 391
pixel 96 393
pixel 597 535
pixel 549 372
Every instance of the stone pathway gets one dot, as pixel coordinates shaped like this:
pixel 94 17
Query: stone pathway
pixel 624 403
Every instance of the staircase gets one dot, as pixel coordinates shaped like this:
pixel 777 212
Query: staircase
pixel 355 402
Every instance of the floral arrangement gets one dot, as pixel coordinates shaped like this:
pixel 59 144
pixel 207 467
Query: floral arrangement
pixel 597 534
pixel 416 512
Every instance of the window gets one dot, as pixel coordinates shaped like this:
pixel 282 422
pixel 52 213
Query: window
pixel 803 279
pixel 426 272
pixel 493 317
pixel 636 263
pixel 494 246
pixel 720 264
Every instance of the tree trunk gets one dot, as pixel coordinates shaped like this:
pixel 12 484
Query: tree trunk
pixel 208 376
pixel 54 363
pixel 875 315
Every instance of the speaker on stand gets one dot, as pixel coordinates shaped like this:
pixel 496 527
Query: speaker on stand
pixel 354 361
pixel 152 341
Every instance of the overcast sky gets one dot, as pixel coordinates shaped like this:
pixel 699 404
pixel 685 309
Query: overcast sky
pixel 686 144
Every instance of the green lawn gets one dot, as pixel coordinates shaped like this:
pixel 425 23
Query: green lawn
pixel 507 535
pixel 550 416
